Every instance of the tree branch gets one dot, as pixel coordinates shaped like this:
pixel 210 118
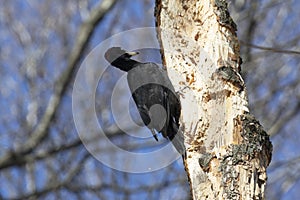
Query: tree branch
pixel 84 35
pixel 275 50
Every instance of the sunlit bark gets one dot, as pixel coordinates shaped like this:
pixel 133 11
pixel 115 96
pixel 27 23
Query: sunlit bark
pixel 227 149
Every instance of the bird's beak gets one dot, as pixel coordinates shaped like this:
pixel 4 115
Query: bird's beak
pixel 132 53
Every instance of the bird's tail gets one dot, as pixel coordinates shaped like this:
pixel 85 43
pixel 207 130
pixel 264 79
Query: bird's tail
pixel 177 140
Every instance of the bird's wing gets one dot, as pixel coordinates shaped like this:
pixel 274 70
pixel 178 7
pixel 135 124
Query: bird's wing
pixel 144 113
pixel 147 85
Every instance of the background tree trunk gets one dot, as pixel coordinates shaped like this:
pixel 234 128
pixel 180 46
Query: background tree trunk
pixel 227 149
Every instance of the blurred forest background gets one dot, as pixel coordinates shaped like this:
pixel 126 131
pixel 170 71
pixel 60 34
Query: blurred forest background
pixel 42 44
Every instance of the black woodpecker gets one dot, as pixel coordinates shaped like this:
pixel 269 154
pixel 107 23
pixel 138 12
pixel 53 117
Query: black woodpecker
pixel 153 94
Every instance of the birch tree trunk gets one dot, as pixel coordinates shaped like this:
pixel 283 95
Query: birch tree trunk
pixel 227 149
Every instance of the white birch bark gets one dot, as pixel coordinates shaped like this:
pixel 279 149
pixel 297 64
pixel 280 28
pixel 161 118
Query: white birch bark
pixel 227 149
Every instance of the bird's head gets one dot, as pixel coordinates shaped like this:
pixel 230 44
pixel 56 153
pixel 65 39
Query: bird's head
pixel 116 53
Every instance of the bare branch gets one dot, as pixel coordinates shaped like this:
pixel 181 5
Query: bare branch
pixel 84 34
pixel 275 50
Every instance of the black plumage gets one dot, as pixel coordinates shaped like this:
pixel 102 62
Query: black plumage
pixel 153 94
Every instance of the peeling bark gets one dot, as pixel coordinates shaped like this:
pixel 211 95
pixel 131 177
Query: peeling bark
pixel 227 149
